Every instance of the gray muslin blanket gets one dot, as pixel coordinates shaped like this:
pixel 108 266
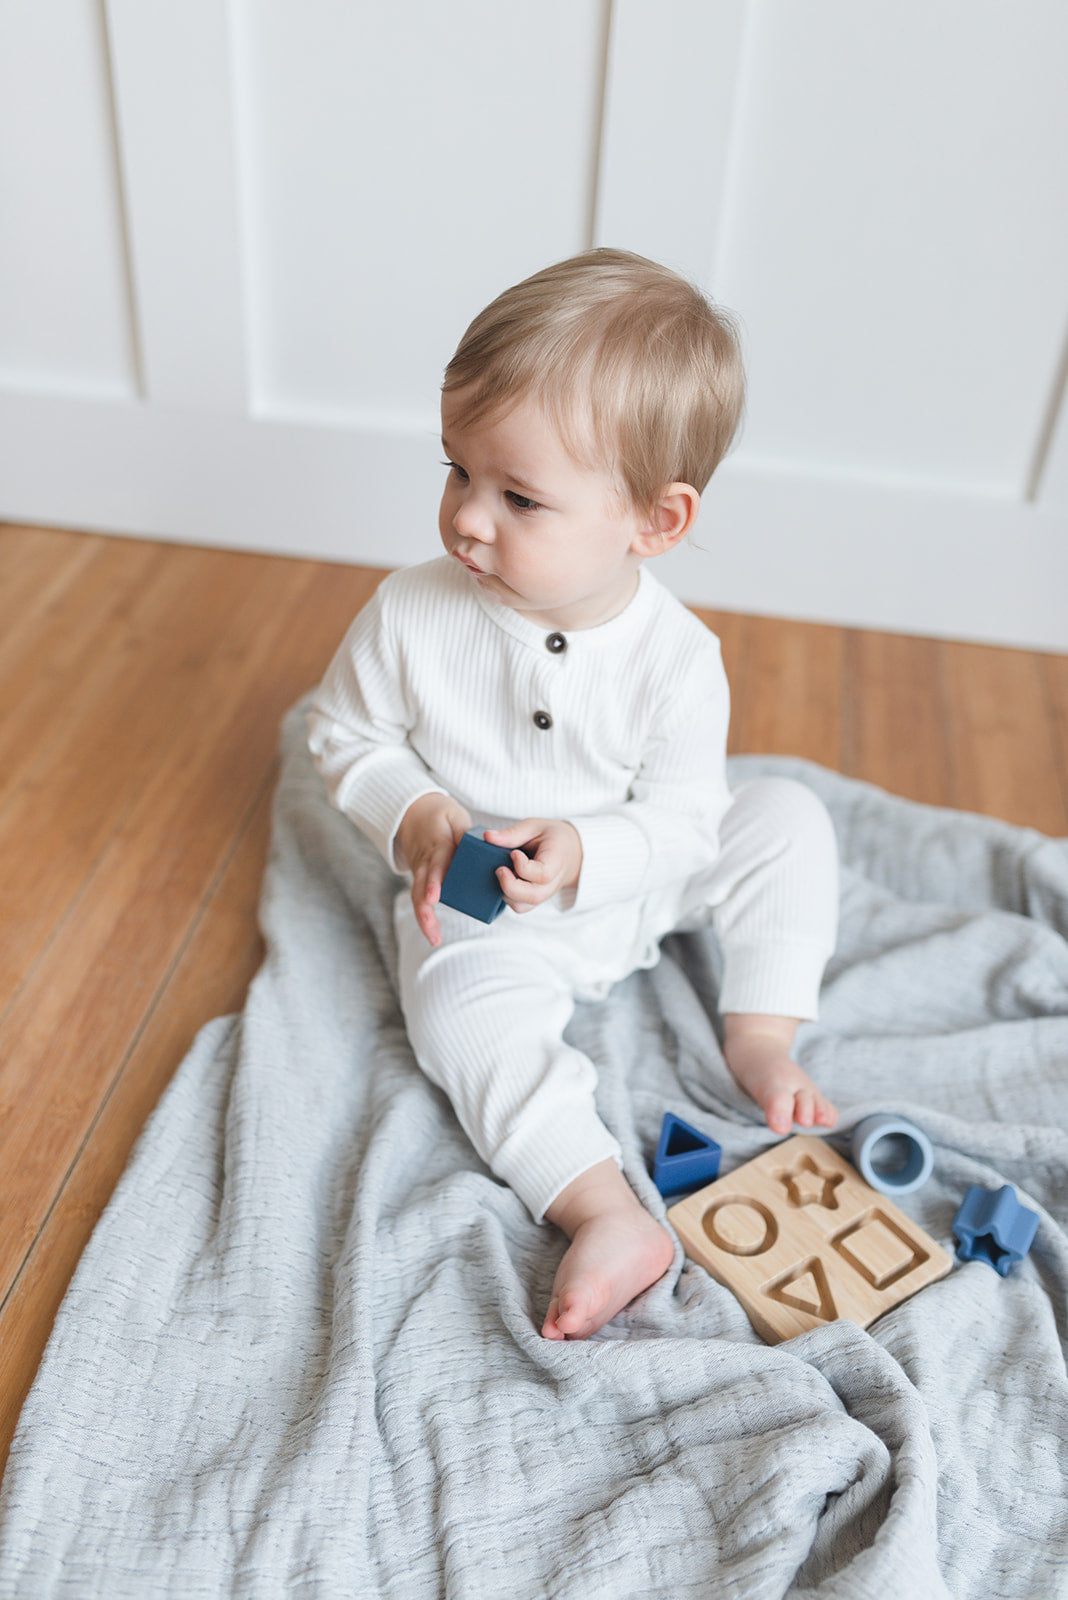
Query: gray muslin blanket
pixel 299 1357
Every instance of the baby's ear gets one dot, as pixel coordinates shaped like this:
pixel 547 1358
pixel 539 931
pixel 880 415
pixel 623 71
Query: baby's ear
pixel 671 519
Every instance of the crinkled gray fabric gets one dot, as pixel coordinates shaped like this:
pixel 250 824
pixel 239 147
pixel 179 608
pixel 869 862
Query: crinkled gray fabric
pixel 299 1357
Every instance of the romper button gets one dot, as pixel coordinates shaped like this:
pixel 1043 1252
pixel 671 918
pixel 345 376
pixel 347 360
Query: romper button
pixel 555 643
pixel 542 720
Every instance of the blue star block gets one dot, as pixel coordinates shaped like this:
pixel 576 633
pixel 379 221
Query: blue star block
pixel 685 1158
pixel 471 882
pixel 993 1226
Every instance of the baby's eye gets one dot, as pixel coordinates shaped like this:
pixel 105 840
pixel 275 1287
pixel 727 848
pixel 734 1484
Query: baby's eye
pixel 459 471
pixel 521 502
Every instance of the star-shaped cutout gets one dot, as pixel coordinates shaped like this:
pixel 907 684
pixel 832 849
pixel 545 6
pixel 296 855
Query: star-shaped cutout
pixel 808 1185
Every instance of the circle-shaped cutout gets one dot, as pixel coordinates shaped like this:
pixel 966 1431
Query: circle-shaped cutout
pixel 740 1226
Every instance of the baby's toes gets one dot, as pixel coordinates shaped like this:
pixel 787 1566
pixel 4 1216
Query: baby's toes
pixel 826 1115
pixel 549 1329
pixel 779 1112
pixel 805 1107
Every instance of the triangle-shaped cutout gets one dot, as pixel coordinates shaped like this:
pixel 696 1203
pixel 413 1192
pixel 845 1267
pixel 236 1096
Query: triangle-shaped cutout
pixel 805 1288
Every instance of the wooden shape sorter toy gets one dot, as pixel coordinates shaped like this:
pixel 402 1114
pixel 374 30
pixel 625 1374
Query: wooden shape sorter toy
pixel 802 1240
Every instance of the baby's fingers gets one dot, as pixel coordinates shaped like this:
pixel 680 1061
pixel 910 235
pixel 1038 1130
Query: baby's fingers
pixel 520 833
pixel 428 922
pixel 525 885
pixel 518 896
pixel 426 892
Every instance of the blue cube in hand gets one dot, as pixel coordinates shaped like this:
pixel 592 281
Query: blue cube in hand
pixel 471 883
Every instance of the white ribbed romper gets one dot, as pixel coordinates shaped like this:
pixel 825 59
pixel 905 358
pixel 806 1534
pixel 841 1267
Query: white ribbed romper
pixel 621 729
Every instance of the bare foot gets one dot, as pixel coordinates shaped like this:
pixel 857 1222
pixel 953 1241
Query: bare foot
pixel 757 1050
pixel 617 1250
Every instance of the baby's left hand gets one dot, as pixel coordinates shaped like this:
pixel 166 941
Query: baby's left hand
pixel 553 860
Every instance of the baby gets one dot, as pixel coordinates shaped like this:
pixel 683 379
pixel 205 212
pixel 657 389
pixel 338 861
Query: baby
pixel 538 683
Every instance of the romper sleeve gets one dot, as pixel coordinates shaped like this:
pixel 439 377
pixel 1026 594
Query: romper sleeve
pixel 668 827
pixel 358 728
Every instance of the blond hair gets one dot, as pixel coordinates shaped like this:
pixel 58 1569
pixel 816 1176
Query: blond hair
pixel 638 370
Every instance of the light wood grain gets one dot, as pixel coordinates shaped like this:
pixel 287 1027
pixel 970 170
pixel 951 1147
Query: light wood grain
pixel 1005 742
pixel 208 978
pixel 800 1238
pixel 786 689
pixel 897 732
pixel 141 690
pixel 129 884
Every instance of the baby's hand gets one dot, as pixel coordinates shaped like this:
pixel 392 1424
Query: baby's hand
pixel 430 830
pixel 553 860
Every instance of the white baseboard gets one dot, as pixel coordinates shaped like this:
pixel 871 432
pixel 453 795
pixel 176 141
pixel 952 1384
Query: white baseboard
pixel 768 541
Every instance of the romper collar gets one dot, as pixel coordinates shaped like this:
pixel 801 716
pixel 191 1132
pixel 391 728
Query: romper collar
pixel 616 628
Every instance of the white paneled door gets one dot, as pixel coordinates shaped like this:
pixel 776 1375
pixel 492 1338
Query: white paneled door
pixel 240 238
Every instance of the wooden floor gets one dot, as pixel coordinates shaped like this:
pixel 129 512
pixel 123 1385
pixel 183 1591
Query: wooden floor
pixel 141 688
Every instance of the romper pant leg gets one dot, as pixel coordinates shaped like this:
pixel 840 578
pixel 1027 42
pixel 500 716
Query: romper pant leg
pixel 773 893
pixel 485 1018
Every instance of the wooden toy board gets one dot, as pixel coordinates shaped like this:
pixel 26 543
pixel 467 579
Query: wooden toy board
pixel 802 1240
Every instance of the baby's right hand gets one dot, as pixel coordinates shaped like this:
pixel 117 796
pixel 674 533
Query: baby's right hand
pixel 430 830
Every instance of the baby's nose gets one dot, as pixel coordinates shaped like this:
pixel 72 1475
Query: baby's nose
pixel 472 521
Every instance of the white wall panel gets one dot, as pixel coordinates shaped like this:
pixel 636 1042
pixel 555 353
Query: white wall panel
pixel 241 238
pixel 671 99
pixel 65 322
pixel 892 240
pixel 401 165
pixel 1049 479
pixel 172 73
pixel 879 190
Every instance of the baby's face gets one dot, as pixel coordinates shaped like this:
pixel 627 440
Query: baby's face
pixel 535 529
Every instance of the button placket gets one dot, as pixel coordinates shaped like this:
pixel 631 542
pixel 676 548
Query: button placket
pixel 541 717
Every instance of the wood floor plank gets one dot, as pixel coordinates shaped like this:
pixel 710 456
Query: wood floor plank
pixel 895 731
pixel 209 979
pixel 142 622
pixel 1054 671
pixel 167 664
pixel 67 652
pixel 85 998
pixel 1003 748
pixel 730 629
pixel 33 562
pixel 111 719
pixel 786 697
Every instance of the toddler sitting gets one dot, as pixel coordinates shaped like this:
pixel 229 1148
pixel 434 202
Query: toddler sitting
pixel 538 683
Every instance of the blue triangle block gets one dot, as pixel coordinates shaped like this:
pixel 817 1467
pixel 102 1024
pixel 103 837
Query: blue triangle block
pixel 685 1157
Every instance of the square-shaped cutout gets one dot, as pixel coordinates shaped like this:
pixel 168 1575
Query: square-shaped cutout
pixel 877 1248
